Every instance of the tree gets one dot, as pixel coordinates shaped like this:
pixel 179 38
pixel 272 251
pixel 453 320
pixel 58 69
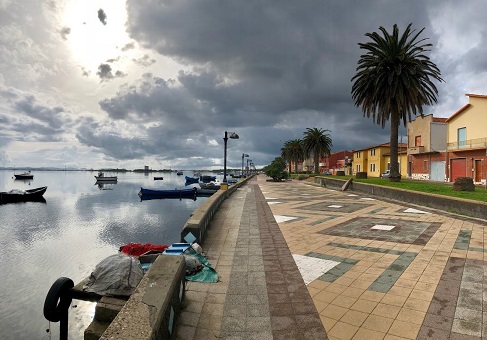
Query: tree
pixel 293 152
pixel 317 142
pixel 394 80
pixel 276 169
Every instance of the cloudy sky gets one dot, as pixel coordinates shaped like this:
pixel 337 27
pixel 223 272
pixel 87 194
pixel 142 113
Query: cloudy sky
pixel 158 82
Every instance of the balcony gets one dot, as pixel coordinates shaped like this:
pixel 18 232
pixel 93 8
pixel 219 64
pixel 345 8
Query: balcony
pixel 478 143
pixel 415 150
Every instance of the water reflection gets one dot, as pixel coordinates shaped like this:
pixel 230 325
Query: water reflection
pixel 79 226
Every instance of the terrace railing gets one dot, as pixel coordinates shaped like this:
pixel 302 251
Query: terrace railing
pixel 468 144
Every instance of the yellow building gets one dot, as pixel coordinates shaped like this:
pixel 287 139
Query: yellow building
pixel 376 159
pixel 467 140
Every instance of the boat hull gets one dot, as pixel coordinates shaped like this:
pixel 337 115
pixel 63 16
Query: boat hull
pixel 176 193
pixel 31 195
pixel 106 179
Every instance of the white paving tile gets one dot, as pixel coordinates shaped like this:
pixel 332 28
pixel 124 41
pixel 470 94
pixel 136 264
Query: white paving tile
pixel 367 199
pixel 305 194
pixel 383 227
pixel 312 268
pixel 335 206
pixel 271 198
pixel 273 202
pixel 282 218
pixel 352 195
pixel 415 211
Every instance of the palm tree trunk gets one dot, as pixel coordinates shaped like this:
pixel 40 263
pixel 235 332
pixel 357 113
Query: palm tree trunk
pixel 395 175
pixel 317 163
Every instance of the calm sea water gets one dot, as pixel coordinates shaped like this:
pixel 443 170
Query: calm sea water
pixel 79 225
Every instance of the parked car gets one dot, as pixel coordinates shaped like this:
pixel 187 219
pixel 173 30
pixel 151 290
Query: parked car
pixel 327 172
pixel 385 174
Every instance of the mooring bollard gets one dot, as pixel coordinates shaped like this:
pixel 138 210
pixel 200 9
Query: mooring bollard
pixel 57 303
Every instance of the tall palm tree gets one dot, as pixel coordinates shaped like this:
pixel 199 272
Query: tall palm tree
pixel 394 80
pixel 293 152
pixel 317 142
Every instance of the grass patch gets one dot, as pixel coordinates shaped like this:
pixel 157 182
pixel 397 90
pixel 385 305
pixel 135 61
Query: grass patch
pixel 480 194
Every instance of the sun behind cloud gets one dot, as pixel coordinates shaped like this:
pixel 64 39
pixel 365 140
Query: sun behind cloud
pixel 95 32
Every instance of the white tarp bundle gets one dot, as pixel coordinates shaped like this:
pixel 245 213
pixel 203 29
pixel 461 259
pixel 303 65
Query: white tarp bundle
pixel 117 274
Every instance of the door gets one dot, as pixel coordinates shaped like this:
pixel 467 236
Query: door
pixel 478 170
pixel 437 171
pixel 458 168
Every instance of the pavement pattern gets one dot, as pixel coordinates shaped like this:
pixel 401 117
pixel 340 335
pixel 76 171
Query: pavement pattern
pixel 299 261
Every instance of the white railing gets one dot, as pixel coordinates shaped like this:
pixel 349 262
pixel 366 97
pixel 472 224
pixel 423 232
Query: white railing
pixel 468 144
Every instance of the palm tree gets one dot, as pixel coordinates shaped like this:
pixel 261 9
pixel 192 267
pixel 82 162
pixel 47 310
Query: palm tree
pixel 293 152
pixel 393 81
pixel 317 142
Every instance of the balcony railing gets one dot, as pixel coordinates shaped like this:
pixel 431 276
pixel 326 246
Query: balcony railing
pixel 415 149
pixel 468 144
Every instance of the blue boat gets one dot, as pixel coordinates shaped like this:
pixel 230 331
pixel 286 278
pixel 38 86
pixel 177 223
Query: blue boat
pixel 167 193
pixel 207 179
pixel 191 180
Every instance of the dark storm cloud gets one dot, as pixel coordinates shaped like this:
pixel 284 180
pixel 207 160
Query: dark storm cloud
pixel 105 72
pixel 64 32
pixel 259 62
pixel 102 16
pixel 48 115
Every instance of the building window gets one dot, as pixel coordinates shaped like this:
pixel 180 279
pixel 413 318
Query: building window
pixel 372 167
pixel 357 154
pixel 417 141
pixel 462 137
pixel 425 166
pixel 358 167
pixel 388 166
pixel 372 152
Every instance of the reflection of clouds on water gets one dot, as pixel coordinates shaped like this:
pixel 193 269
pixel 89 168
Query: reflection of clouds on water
pixel 69 235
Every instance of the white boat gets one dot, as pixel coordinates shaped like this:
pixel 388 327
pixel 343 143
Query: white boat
pixel 102 178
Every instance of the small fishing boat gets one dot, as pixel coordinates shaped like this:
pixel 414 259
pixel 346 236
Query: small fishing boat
pixel 167 193
pixel 179 173
pixel 102 178
pixel 24 175
pixel 158 178
pixel 191 180
pixel 16 195
pixel 207 178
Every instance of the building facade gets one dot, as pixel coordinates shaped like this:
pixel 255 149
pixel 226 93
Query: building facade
pixel 426 152
pixel 376 159
pixel 467 141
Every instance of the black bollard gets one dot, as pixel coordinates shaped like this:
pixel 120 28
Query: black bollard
pixel 57 304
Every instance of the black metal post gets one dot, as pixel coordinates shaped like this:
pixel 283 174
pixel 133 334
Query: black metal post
pixel 225 139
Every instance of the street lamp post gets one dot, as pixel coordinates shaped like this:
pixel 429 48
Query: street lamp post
pixel 231 135
pixel 243 155
pixel 248 172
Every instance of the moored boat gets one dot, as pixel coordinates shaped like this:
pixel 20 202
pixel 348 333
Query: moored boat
pixel 24 175
pixel 16 195
pixel 191 179
pixel 102 178
pixel 207 178
pixel 167 193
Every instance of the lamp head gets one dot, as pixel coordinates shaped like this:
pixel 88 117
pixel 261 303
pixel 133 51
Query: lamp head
pixel 233 135
pixel 245 155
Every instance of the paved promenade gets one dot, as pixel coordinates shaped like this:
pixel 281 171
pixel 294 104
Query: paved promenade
pixel 298 261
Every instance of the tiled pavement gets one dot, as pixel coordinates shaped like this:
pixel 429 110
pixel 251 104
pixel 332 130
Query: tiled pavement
pixel 373 269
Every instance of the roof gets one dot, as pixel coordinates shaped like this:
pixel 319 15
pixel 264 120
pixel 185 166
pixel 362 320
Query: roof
pixel 385 145
pixel 476 95
pixel 439 120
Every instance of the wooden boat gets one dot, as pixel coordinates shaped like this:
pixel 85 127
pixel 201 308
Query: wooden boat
pixel 24 175
pixel 158 178
pixel 191 179
pixel 207 178
pixel 31 195
pixel 167 193
pixel 102 178
pixel 179 173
